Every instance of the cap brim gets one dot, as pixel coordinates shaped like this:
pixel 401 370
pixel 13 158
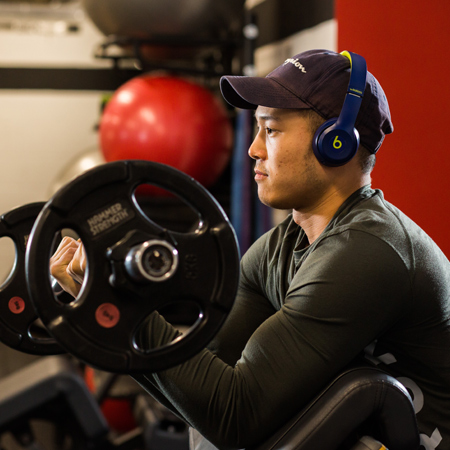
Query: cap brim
pixel 251 92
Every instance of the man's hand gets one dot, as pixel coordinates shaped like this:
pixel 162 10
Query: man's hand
pixel 68 264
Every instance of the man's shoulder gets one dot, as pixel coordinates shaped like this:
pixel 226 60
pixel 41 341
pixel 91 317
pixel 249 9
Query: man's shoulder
pixel 373 215
pixel 380 219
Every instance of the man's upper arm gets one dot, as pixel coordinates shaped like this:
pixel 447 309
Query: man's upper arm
pixel 250 309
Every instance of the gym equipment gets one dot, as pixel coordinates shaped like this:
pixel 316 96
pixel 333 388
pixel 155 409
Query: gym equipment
pixel 337 140
pixel 18 328
pixel 50 388
pixel 50 394
pixel 134 267
pixel 361 406
pixel 167 120
pixel 161 429
pixel 361 409
pixel 146 19
pixel 115 394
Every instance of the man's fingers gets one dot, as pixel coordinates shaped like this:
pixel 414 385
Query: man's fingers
pixel 65 249
pixel 77 265
pixel 59 262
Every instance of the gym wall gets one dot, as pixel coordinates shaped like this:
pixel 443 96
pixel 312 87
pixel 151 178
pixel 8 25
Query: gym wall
pixel 406 46
pixel 290 27
pixel 42 129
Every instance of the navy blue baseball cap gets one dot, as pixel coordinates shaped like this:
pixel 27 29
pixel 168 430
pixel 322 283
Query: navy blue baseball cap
pixel 318 80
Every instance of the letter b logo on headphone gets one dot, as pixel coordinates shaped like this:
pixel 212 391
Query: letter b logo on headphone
pixel 337 140
pixel 337 144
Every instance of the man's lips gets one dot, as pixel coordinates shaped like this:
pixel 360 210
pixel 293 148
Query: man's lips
pixel 259 175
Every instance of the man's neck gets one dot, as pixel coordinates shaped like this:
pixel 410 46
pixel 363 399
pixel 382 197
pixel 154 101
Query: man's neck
pixel 314 221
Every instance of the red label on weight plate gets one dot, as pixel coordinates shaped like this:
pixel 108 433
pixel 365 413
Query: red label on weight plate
pixel 107 315
pixel 16 305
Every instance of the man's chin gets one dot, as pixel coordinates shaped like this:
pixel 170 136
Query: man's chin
pixel 272 202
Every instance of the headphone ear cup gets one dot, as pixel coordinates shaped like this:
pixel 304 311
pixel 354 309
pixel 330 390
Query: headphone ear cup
pixel 334 146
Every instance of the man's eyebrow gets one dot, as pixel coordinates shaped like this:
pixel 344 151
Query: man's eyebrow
pixel 266 117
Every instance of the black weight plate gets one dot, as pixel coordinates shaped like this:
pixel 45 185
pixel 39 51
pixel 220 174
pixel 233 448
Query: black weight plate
pixel 100 326
pixel 17 315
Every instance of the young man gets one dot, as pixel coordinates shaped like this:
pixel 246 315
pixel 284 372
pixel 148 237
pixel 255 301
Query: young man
pixel 345 274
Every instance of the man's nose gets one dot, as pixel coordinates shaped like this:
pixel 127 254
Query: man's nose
pixel 257 149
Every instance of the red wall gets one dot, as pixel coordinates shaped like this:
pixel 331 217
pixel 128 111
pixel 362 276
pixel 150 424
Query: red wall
pixel 406 45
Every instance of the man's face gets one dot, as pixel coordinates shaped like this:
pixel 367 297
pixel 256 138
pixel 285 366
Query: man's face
pixel 287 173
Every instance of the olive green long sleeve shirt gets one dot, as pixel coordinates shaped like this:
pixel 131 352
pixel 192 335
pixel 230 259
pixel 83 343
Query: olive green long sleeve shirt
pixel 373 283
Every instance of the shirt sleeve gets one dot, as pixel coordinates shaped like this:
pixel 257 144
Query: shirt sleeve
pixel 250 310
pixel 349 290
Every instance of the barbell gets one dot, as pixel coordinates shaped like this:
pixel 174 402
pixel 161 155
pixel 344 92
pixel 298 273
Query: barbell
pixel 135 267
pixel 19 323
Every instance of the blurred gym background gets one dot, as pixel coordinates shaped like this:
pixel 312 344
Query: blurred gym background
pixel 62 61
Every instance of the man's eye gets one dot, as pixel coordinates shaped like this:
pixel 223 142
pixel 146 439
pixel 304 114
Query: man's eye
pixel 269 130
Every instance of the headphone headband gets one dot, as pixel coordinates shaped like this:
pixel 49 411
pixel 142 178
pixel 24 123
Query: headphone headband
pixel 355 91
pixel 337 140
pixel 358 74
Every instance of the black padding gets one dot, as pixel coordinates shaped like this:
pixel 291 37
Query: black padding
pixel 359 396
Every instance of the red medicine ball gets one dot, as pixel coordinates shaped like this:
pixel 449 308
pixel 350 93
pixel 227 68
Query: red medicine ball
pixel 168 120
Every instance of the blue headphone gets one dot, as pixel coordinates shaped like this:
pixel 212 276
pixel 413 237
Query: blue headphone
pixel 337 140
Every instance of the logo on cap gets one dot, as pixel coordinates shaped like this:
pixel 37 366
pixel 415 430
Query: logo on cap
pixel 295 63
